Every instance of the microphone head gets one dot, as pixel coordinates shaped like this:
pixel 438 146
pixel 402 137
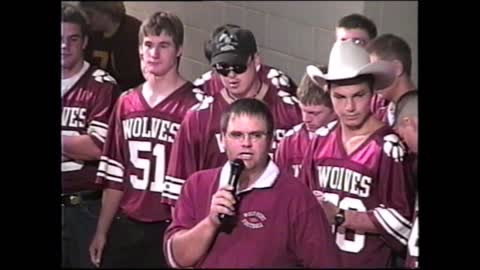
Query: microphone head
pixel 237 166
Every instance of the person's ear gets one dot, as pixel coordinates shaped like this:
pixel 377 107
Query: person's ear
pixel 398 67
pixel 85 42
pixel 222 140
pixel 257 61
pixel 140 53
pixel 407 122
pixel 179 51
pixel 414 121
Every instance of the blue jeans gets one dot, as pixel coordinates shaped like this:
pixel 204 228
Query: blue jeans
pixel 78 227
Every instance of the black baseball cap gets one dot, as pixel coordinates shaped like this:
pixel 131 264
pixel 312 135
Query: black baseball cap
pixel 233 46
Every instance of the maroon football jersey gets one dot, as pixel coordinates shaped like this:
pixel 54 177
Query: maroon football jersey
pixel 138 148
pixel 118 54
pixel 413 251
pixel 291 150
pixel 279 224
pixel 269 75
pixel 197 145
pixel 378 106
pixel 375 178
pixel 86 107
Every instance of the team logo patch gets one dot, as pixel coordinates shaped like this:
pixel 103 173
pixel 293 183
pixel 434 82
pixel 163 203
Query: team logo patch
pixel 393 147
pixel 253 219
pixel 323 131
pixel 227 42
pixel 278 78
pixel 287 98
pixel 205 77
pixel 203 99
pixel 294 130
pixel 102 76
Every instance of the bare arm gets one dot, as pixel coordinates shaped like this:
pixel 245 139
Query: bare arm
pixel 356 220
pixel 110 202
pixel 189 246
pixel 80 147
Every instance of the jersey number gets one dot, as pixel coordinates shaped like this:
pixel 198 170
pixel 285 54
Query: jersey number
pixel 71 165
pixel 343 243
pixel 145 165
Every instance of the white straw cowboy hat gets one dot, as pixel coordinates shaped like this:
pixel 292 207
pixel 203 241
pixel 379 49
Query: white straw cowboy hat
pixel 348 60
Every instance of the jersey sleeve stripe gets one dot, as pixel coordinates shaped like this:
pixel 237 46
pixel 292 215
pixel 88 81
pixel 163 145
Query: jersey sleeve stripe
pixel 169 195
pixel 99 130
pixel 111 161
pixel 392 225
pixel 172 188
pixel 99 124
pixel 96 135
pixel 109 177
pixel 400 218
pixel 174 180
pixel 110 169
pixel 114 171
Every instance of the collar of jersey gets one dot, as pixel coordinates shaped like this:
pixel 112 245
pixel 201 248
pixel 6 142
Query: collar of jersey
pixel 266 180
pixel 68 83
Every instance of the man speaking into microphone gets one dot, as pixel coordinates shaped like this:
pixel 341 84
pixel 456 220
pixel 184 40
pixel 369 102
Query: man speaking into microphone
pixel 269 219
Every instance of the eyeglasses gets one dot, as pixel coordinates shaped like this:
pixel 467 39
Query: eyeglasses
pixel 253 136
pixel 224 69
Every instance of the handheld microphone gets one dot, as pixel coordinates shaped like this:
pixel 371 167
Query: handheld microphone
pixel 237 167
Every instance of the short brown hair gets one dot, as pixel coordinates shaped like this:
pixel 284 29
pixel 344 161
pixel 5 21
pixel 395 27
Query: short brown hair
pixel 391 47
pixel 160 22
pixel 354 21
pixel 250 107
pixel 309 93
pixel 71 14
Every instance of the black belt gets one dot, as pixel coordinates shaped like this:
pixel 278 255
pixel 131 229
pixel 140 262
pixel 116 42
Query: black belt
pixel 76 198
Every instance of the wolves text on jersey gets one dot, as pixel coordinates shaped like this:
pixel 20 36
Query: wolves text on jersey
pixel 344 179
pixel 141 127
pixel 74 117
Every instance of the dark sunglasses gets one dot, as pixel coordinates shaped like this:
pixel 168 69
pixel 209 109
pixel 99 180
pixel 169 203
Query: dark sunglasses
pixel 224 69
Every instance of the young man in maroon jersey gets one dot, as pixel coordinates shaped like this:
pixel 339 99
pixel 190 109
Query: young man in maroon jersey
pixel 318 118
pixel 212 82
pixel 359 170
pixel 88 95
pixel 133 165
pixel 406 123
pixel 197 145
pixel 114 41
pixel 394 49
pixel 277 221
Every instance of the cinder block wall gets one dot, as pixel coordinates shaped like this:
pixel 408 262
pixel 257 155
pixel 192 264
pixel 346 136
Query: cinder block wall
pixel 290 34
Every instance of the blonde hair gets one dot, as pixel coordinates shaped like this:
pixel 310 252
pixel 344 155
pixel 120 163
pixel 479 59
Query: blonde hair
pixel 159 22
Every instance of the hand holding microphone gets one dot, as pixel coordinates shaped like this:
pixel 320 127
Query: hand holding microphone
pixel 224 199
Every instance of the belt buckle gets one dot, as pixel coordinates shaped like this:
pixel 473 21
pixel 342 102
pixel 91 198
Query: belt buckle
pixel 75 199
